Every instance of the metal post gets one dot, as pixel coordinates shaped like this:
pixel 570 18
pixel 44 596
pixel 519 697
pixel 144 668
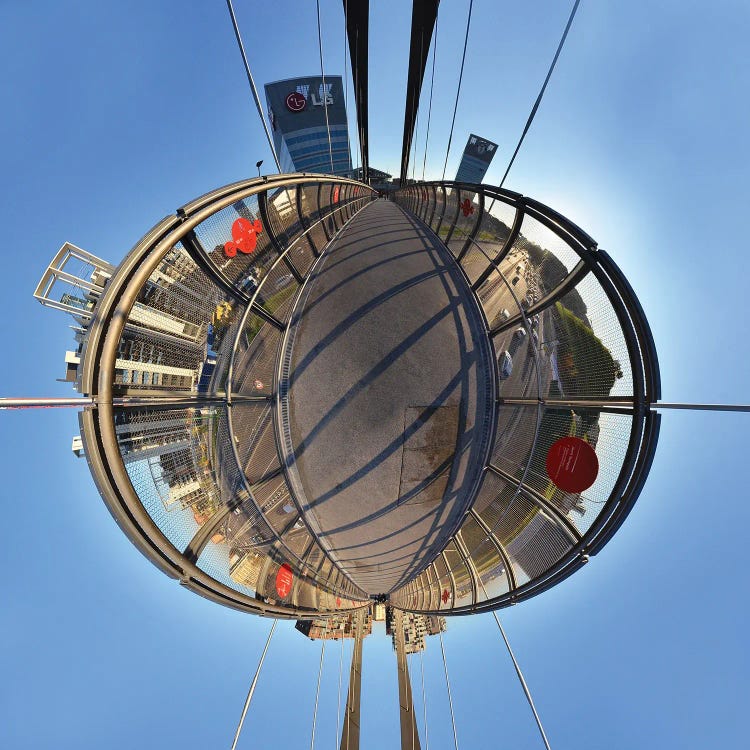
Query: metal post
pixel 44 403
pixel 350 730
pixel 409 731
pixel 702 407
pixel 252 687
pixel 317 692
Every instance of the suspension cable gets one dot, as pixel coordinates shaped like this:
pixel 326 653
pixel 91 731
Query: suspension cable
pixel 424 703
pixel 325 93
pixel 541 92
pixel 252 687
pixel 432 84
pixel 416 120
pixel 413 717
pixel 317 692
pixel 252 85
pixel 338 702
pixel 458 89
pixel 523 683
pixel 448 684
pixel 521 679
pixel 346 84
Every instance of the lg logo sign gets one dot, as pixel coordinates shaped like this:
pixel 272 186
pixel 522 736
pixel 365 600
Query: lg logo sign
pixel 297 100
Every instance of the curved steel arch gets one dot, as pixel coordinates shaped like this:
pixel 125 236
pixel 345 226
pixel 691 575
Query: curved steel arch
pixel 483 255
pixel 130 305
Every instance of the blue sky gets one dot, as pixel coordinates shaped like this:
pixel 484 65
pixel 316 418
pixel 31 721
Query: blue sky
pixel 116 114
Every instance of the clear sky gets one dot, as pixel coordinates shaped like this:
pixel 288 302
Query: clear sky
pixel 114 114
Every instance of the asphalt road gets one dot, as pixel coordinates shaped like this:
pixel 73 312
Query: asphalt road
pixel 388 395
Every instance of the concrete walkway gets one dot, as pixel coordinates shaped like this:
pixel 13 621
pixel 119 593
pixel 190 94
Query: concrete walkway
pixel 389 398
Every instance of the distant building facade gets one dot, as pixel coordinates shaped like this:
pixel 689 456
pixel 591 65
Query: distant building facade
pixel 476 159
pixel 297 109
pixel 416 628
pixel 333 628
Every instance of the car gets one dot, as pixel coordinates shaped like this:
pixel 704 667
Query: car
pixel 516 279
pixel 504 314
pixel 505 365
pixel 519 335
pixel 250 283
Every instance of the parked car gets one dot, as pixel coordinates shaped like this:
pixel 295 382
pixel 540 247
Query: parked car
pixel 250 283
pixel 505 365
pixel 504 314
pixel 519 335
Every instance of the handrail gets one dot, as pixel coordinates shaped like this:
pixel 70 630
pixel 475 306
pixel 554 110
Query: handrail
pixel 638 408
pixel 108 324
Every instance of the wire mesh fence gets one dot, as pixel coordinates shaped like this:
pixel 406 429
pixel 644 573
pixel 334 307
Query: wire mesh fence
pixel 561 333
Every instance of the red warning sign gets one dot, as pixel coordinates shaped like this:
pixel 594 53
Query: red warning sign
pixel 336 194
pixel 445 596
pixel 572 464
pixel 338 601
pixel 284 579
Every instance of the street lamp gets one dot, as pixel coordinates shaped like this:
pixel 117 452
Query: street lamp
pixel 258 166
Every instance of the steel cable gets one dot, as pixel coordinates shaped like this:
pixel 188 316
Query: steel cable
pixel 458 89
pixel 448 685
pixel 432 84
pixel 338 703
pixel 519 674
pixel 424 703
pixel 346 84
pixel 258 105
pixel 252 687
pixel 541 92
pixel 324 96
pixel 416 122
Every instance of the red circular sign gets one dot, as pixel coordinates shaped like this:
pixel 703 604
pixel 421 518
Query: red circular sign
pixel 295 102
pixel 572 464
pixel 284 580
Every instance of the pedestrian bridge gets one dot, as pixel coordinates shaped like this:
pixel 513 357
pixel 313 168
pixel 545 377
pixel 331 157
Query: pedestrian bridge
pixel 306 395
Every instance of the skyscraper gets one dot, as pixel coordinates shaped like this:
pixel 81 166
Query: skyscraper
pixel 476 159
pixel 297 108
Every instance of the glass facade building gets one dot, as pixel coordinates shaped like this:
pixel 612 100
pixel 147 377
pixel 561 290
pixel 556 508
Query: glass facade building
pixel 297 108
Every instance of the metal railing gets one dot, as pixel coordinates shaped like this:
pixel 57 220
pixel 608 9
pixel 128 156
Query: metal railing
pixel 559 310
pixel 178 361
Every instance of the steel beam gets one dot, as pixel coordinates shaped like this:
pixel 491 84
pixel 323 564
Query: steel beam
pixel 352 720
pixel 423 17
pixel 409 730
